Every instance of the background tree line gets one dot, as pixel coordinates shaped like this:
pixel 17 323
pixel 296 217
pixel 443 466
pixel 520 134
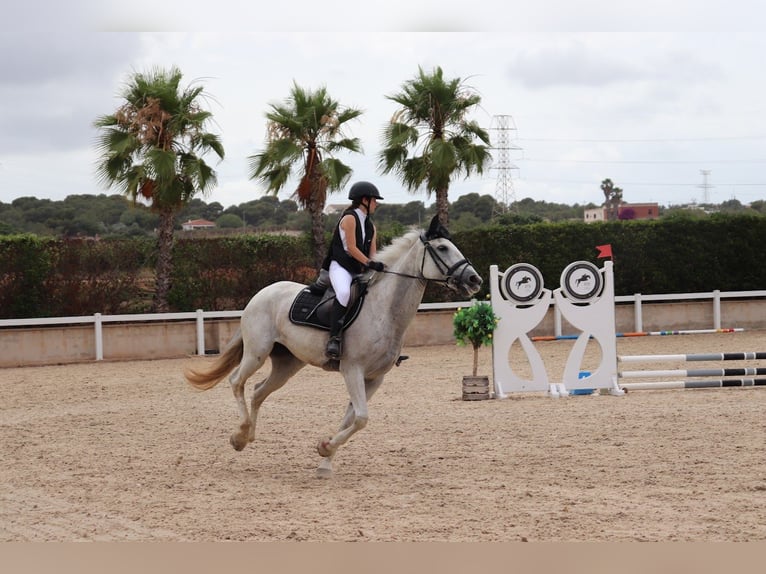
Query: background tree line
pixel 48 276
pixel 112 216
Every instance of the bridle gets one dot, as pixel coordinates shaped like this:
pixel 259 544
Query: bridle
pixel 447 270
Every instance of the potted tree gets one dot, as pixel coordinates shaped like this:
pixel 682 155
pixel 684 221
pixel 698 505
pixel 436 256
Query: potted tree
pixel 475 325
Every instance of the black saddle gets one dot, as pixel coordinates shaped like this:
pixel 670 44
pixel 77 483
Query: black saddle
pixel 313 310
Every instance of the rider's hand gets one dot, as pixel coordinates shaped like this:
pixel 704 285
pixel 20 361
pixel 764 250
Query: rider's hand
pixel 375 265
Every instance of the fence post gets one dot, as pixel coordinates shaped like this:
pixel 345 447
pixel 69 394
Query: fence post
pixel 716 309
pixel 99 337
pixel 637 313
pixel 200 332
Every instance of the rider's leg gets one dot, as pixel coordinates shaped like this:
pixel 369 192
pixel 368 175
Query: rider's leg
pixel 334 344
pixel 341 284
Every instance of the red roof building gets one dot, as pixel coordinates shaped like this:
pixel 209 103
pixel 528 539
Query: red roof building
pixel 197 224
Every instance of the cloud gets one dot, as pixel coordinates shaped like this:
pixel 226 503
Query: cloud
pixel 571 63
pixel 56 81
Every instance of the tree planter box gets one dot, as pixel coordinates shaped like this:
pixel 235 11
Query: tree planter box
pixel 475 388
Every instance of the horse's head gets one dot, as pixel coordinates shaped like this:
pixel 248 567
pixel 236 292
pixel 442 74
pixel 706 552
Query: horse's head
pixel 444 262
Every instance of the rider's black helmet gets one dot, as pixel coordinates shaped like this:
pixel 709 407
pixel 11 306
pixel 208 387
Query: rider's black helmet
pixel 363 189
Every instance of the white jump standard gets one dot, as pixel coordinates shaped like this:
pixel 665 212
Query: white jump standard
pixel 585 299
pixel 520 302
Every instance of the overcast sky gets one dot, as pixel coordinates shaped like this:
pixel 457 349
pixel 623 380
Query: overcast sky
pixel 648 94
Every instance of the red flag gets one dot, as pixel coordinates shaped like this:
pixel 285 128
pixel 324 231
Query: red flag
pixel 604 251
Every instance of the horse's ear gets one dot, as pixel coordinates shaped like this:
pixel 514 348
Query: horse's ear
pixel 436 229
pixel 431 233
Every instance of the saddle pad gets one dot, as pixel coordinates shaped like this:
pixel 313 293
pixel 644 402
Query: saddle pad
pixel 314 310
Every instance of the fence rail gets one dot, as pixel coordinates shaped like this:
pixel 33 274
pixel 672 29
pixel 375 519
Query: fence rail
pixel 200 317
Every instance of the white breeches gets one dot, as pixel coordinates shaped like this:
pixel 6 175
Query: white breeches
pixel 341 282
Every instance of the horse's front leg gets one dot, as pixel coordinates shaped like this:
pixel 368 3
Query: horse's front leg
pixel 324 470
pixel 326 447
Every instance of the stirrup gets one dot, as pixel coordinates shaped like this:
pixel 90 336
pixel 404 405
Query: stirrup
pixel 333 349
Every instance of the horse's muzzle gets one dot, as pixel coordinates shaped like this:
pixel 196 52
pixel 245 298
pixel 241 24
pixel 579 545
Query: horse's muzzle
pixel 467 282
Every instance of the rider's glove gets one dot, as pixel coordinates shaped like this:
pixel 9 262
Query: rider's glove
pixel 375 265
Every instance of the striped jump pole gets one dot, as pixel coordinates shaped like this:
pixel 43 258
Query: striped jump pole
pixel 756 356
pixel 694 373
pixel 746 373
pixel 700 384
pixel 678 332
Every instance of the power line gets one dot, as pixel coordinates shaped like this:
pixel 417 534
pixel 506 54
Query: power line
pixel 648 161
pixel 643 183
pixel 644 140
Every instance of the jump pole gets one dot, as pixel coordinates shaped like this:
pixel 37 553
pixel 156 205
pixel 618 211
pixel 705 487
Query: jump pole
pixel 700 384
pixel 746 373
pixel 693 373
pixel 752 356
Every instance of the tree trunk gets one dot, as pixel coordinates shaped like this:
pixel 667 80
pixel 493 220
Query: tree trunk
pixel 315 204
pixel 442 205
pixel 475 360
pixel 317 237
pixel 164 261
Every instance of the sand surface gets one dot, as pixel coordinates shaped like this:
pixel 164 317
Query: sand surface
pixel 123 451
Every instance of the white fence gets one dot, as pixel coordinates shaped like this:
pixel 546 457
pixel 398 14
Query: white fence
pixel 713 309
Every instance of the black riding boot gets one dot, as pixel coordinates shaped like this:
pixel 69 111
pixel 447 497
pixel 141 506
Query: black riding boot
pixel 336 328
pixel 321 284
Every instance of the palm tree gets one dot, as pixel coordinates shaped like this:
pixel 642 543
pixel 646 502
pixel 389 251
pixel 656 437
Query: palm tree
pixel 432 124
pixel 612 199
pixel 151 150
pixel 303 133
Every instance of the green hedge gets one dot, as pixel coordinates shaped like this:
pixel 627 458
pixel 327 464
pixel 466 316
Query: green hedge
pixel 44 277
pixel 677 256
pixel 41 277
pixel 224 273
pixel 25 263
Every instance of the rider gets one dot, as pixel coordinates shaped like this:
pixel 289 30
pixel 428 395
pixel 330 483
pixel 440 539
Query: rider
pixel 352 249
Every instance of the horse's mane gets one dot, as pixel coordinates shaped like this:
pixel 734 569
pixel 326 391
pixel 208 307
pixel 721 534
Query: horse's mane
pixel 398 247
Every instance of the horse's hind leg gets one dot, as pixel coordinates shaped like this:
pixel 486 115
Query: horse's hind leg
pixel 249 364
pixel 283 366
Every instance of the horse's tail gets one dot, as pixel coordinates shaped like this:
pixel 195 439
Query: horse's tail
pixel 222 366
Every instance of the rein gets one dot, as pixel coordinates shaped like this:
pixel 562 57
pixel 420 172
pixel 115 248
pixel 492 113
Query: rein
pixel 440 263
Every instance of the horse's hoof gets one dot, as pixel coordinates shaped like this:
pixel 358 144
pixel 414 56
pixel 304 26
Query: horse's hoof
pixel 237 442
pixel 323 447
pixel 323 472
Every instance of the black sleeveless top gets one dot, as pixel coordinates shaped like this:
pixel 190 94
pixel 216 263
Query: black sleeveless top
pixel 336 251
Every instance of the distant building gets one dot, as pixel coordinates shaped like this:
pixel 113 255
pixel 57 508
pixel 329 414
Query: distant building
pixel 333 208
pixel 197 224
pixel 640 210
pixel 626 211
pixel 595 214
